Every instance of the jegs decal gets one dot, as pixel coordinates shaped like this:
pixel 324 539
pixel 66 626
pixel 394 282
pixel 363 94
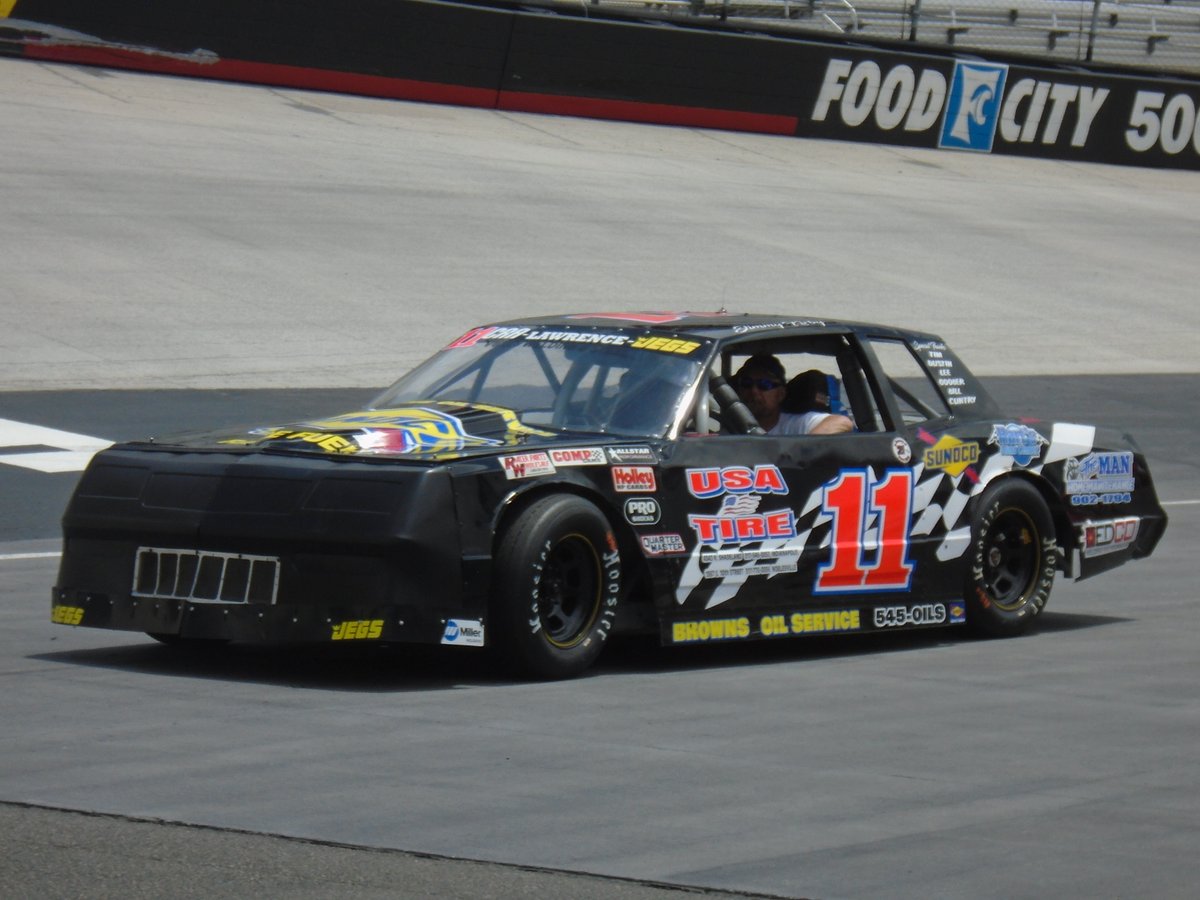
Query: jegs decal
pixel 357 630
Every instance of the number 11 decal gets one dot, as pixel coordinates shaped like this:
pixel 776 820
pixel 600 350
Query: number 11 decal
pixel 847 500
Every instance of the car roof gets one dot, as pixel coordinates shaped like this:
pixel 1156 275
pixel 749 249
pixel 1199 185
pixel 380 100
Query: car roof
pixel 719 325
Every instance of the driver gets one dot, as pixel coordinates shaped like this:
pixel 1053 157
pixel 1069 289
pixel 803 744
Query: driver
pixel 761 384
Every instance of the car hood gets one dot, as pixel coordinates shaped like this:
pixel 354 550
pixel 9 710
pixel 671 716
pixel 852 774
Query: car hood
pixel 433 430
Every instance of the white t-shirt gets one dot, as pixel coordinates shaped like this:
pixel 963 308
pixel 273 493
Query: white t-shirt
pixel 798 423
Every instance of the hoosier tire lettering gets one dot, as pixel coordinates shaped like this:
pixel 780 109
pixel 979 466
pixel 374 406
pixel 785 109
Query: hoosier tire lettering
pixel 557 587
pixel 1013 557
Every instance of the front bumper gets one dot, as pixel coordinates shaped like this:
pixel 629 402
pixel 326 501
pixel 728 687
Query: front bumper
pixel 255 622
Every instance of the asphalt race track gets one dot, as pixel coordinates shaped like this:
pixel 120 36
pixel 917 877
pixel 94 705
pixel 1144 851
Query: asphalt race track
pixel 184 254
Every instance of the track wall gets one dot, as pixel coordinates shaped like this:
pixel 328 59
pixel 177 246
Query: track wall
pixel 503 57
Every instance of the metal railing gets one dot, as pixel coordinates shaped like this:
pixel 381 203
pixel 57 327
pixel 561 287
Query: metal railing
pixel 1162 35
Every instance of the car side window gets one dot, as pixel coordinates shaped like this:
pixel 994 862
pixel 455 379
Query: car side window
pixel 910 382
pixel 821 374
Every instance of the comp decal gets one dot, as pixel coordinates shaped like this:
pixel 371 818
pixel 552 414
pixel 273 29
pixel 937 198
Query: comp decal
pixel 579 456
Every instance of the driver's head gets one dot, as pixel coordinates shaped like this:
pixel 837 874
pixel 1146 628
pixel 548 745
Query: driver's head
pixel 762 385
pixel 811 391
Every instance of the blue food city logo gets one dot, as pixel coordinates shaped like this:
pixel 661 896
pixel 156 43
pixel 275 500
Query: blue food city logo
pixel 1020 442
pixel 973 106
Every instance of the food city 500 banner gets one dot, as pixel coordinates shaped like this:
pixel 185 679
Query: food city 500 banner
pixel 494 55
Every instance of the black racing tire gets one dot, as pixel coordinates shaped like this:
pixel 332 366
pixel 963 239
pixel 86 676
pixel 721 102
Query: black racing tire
pixel 556 588
pixel 1013 557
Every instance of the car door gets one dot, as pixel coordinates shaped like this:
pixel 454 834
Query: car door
pixel 793 534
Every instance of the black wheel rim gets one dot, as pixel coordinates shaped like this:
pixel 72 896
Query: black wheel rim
pixel 1010 559
pixel 569 591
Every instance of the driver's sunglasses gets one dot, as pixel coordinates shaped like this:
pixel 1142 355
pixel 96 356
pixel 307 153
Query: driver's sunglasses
pixel 763 384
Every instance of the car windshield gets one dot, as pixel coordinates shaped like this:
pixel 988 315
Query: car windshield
pixel 570 379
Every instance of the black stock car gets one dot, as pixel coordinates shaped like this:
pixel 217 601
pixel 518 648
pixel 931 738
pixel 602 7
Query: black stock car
pixel 538 484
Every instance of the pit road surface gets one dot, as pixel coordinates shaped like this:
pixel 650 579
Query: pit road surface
pixel 162 233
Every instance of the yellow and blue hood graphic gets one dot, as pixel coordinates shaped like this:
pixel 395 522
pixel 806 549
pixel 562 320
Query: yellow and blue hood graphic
pixel 435 429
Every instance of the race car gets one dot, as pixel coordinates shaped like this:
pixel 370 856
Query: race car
pixel 540 485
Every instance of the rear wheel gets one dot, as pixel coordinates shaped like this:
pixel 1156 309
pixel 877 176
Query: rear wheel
pixel 1013 555
pixel 556 588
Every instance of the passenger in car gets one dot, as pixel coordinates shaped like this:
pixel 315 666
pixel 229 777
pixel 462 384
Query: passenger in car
pixel 761 383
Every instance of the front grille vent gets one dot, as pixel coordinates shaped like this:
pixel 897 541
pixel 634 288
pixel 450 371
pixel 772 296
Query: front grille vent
pixel 204 576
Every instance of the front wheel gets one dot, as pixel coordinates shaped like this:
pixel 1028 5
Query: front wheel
pixel 556 588
pixel 1013 553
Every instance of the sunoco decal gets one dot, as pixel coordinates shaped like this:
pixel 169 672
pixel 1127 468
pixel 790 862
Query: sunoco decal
pixel 951 455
